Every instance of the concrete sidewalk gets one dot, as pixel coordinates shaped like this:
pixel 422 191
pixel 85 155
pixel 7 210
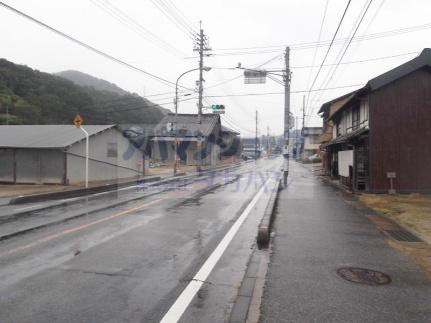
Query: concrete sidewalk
pixel 317 231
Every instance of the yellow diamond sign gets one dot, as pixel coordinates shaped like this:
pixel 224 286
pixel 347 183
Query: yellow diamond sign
pixel 77 121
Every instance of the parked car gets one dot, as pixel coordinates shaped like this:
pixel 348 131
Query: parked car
pixel 315 158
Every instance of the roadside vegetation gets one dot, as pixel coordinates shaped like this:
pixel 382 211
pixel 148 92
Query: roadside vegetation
pixel 412 211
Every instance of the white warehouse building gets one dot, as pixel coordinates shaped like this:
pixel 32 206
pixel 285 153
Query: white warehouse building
pixel 55 154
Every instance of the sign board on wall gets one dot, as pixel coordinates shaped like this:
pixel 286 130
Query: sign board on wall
pixel 345 159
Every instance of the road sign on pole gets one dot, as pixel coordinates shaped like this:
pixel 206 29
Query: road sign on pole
pixel 78 123
pixel 254 76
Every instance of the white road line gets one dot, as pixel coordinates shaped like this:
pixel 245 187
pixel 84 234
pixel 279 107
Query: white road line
pixel 27 207
pixel 183 301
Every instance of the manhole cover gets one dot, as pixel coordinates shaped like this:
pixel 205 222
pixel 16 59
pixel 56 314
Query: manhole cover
pixel 363 276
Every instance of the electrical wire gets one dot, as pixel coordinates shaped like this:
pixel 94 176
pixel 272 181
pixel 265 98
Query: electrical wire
pixel 239 76
pixel 312 45
pixel 191 25
pixel 318 41
pixel 89 47
pixel 164 9
pixel 275 93
pixel 345 50
pixel 340 52
pixel 327 52
pixel 359 61
pixel 132 24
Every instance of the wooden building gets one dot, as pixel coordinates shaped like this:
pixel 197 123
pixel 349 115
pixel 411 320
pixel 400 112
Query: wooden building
pixel 381 133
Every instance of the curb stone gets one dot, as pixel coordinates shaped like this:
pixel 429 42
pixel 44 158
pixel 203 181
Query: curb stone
pixel 264 229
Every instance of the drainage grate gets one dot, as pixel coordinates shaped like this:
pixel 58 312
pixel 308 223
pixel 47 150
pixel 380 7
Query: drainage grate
pixel 364 276
pixel 402 235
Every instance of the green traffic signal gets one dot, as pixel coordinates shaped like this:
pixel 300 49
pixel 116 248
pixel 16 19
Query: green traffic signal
pixel 215 107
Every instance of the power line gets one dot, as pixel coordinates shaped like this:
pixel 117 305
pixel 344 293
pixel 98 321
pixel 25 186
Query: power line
pixel 344 45
pixel 359 61
pixel 318 40
pixel 276 80
pixel 274 93
pixel 239 76
pixel 167 12
pixel 147 106
pixel 188 22
pixel 329 48
pixel 365 33
pixel 136 27
pixel 346 48
pixel 350 41
pixel 89 47
pixel 312 45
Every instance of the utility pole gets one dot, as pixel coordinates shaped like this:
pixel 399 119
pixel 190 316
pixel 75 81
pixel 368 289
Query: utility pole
pixel 297 137
pixel 201 46
pixel 286 79
pixel 267 140
pixel 255 139
pixel 303 112
pixel 303 124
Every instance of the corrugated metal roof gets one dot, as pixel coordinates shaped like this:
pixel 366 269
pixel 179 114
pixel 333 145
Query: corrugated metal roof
pixel 45 136
pixel 188 124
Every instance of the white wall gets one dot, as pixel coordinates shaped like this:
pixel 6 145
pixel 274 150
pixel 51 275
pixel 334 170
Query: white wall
pixel 127 164
pixel 345 159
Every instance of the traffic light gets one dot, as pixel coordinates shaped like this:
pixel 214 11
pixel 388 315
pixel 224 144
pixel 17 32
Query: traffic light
pixel 216 107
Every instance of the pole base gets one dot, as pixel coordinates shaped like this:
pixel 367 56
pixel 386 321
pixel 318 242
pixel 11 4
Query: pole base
pixel 285 175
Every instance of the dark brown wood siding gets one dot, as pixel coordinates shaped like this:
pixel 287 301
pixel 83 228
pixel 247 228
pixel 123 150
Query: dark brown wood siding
pixel 400 130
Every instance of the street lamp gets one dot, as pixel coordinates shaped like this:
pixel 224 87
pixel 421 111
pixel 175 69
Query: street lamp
pixel 206 69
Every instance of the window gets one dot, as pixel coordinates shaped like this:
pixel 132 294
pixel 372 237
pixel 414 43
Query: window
pixel 313 139
pixel 364 111
pixel 355 118
pixel 112 149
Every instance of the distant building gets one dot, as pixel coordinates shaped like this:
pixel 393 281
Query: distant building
pixel 55 154
pixel 157 140
pixel 311 140
pixel 189 131
pixel 230 143
pixel 382 131
pixel 251 147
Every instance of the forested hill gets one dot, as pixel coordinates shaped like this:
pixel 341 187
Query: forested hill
pixel 33 97
pixel 84 79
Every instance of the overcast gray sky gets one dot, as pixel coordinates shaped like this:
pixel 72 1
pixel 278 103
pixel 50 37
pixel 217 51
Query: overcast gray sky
pixel 229 25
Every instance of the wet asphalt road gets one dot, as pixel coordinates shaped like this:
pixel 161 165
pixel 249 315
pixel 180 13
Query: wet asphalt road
pixel 319 229
pixel 130 263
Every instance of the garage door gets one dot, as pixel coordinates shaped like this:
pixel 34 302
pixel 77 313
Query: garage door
pixel 39 166
pixel 6 165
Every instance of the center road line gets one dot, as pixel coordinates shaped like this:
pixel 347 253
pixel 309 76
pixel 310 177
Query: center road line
pixel 78 228
pixel 178 308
